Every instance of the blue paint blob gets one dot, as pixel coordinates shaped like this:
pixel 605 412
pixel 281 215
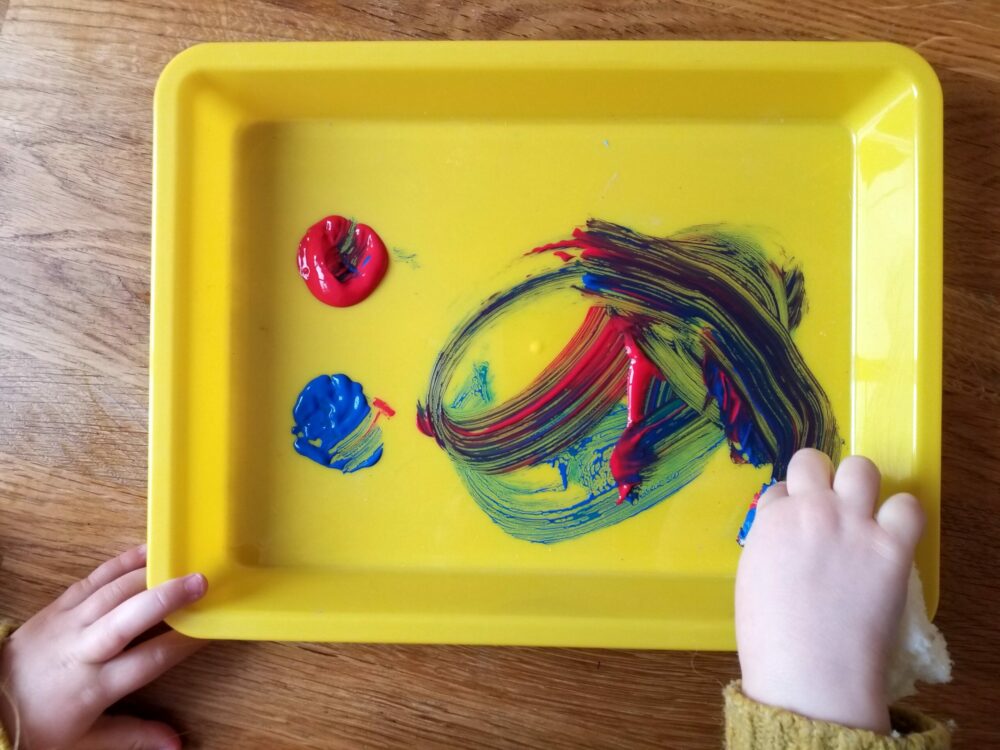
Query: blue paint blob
pixel 335 426
pixel 594 283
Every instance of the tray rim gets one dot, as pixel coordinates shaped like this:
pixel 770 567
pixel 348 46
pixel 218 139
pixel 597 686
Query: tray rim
pixel 742 55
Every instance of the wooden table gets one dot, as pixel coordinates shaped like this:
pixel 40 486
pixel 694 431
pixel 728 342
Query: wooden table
pixel 76 84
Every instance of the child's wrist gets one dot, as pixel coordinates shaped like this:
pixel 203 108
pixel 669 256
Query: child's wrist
pixel 838 700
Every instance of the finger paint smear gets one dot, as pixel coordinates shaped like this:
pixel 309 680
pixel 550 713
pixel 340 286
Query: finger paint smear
pixel 687 344
pixel 336 427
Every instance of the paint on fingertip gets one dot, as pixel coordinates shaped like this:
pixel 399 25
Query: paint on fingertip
pixel 741 538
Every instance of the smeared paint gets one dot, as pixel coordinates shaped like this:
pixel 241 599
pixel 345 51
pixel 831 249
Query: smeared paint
pixel 687 344
pixel 335 426
pixel 572 491
pixel 741 537
pixel 402 256
pixel 383 407
pixel 341 261
pixel 628 458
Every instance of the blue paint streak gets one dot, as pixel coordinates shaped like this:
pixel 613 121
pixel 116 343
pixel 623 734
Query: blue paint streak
pixel 594 283
pixel 741 538
pixel 750 445
pixel 335 426
pixel 477 390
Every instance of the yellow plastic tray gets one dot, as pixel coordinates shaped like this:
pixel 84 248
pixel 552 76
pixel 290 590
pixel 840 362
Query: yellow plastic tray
pixel 465 156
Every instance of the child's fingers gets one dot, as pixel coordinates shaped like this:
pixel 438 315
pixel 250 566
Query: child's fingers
pixel 809 470
pixel 857 484
pixel 105 573
pixel 115 732
pixel 142 664
pixel 113 632
pixel 774 492
pixel 903 518
pixel 110 595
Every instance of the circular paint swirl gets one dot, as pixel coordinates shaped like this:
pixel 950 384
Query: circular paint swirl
pixel 341 261
pixel 687 345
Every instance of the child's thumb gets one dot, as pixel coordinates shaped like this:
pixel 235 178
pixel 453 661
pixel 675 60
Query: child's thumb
pixel 129 733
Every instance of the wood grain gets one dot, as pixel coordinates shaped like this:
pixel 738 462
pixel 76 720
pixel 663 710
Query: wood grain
pixel 76 80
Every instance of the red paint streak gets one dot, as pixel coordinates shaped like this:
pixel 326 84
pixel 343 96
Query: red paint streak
pixel 595 247
pixel 555 246
pixel 383 407
pixel 424 423
pixel 597 357
pixel 603 362
pixel 626 462
pixel 731 405
pixel 641 372
pixel 563 256
pixel 591 246
pixel 604 345
pixel 321 262
pixel 731 408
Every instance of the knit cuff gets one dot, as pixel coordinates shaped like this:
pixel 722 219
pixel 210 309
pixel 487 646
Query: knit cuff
pixel 752 726
pixel 6 628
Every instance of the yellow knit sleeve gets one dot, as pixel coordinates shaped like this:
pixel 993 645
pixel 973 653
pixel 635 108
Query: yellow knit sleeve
pixel 755 726
pixel 6 626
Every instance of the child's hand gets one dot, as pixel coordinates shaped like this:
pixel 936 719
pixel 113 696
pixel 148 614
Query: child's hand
pixel 820 591
pixel 70 662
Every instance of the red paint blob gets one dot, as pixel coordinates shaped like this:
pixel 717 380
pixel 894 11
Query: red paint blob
pixel 341 261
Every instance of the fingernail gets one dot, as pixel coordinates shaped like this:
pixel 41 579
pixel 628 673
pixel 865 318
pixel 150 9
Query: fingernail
pixel 141 549
pixel 195 584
